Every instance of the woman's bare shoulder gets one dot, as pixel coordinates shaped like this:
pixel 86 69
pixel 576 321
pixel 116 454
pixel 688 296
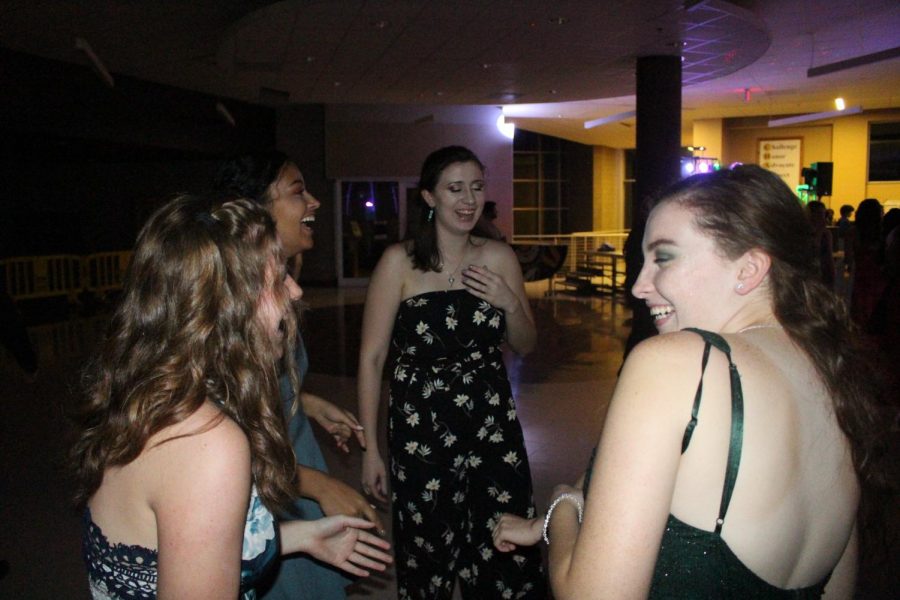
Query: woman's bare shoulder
pixel 668 350
pixel 662 368
pixel 207 441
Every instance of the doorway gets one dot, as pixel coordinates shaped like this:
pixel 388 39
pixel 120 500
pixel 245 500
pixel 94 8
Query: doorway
pixel 371 215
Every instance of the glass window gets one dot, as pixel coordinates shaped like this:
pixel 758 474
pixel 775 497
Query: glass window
pixel 525 222
pixel 550 164
pixel 526 140
pixel 525 194
pixel 525 165
pixel 551 194
pixel 884 151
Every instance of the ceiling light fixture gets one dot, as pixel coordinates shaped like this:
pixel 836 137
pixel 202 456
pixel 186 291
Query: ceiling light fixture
pixel 839 103
pixel 853 110
pixel 507 129
pixel 99 67
pixel 610 119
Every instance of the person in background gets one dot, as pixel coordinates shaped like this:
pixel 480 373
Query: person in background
pixel 274 182
pixel 829 217
pixel 182 457
pixel 868 261
pixel 743 481
pixel 445 301
pixel 822 239
pixel 485 227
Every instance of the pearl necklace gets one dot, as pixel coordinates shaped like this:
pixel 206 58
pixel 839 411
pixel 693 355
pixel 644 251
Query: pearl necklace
pixel 760 326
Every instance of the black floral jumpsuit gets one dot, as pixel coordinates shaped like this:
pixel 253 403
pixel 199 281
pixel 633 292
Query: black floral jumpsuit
pixel 457 453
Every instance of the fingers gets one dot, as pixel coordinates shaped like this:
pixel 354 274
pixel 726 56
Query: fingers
pixel 368 512
pixel 363 561
pixel 360 434
pixel 380 489
pixel 372 543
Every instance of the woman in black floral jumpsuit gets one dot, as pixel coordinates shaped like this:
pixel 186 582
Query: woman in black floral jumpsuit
pixel 458 457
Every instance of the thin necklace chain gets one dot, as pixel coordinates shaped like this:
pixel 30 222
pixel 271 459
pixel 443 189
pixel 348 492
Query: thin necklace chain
pixel 451 279
pixel 760 326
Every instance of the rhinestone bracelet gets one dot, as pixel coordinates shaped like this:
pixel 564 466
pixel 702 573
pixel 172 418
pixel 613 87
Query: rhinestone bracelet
pixel 571 498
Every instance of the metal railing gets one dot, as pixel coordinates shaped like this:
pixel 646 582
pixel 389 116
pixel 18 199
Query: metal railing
pixel 32 277
pixel 580 243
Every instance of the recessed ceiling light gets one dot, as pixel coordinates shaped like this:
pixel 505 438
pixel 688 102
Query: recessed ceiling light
pixel 839 104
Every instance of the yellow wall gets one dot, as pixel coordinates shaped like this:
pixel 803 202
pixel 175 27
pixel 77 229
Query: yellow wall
pixel 843 141
pixel 609 170
pixel 708 133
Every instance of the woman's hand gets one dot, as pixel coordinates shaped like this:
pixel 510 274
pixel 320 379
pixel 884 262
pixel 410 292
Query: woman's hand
pixel 512 531
pixel 340 423
pixel 336 497
pixel 490 286
pixel 340 541
pixel 374 476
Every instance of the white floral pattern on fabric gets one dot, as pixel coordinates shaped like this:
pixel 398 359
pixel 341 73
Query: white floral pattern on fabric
pixel 260 528
pixel 458 458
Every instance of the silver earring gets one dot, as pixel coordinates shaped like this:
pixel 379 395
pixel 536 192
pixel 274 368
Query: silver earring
pixel 739 287
pixel 430 215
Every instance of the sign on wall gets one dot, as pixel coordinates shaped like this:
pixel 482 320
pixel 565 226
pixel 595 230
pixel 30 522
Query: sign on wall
pixel 784 158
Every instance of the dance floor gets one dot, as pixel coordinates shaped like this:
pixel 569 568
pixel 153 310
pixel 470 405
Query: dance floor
pixel 562 390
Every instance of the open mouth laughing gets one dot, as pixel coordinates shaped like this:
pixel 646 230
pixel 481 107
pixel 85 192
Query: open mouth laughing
pixel 661 313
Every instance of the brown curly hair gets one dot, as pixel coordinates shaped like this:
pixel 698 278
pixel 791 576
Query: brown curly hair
pixel 184 331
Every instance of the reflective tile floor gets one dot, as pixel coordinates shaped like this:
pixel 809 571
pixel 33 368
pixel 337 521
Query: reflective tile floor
pixel 562 390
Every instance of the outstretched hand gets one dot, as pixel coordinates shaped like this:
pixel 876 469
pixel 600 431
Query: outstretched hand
pixel 512 531
pixel 340 423
pixel 343 542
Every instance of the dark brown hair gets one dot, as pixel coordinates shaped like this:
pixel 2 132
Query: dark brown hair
pixel 749 207
pixel 186 330
pixel 423 248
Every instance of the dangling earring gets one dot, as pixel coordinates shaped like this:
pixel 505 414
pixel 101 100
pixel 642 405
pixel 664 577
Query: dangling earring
pixel 431 214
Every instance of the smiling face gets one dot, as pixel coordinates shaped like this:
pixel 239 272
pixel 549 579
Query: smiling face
pixel 458 197
pixel 685 280
pixel 294 210
pixel 274 302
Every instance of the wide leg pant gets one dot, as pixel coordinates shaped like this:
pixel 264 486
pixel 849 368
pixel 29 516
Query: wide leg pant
pixel 457 463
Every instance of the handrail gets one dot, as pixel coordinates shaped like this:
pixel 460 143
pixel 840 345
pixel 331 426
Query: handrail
pixel 580 243
pixel 34 277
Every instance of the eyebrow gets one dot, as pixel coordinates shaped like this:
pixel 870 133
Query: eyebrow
pixel 461 182
pixel 659 242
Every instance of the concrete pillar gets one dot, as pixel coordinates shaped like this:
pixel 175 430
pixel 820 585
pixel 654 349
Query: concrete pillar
pixel 657 163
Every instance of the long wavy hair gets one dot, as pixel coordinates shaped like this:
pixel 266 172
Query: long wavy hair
pixel 422 246
pixel 749 207
pixel 186 331
pixel 250 176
